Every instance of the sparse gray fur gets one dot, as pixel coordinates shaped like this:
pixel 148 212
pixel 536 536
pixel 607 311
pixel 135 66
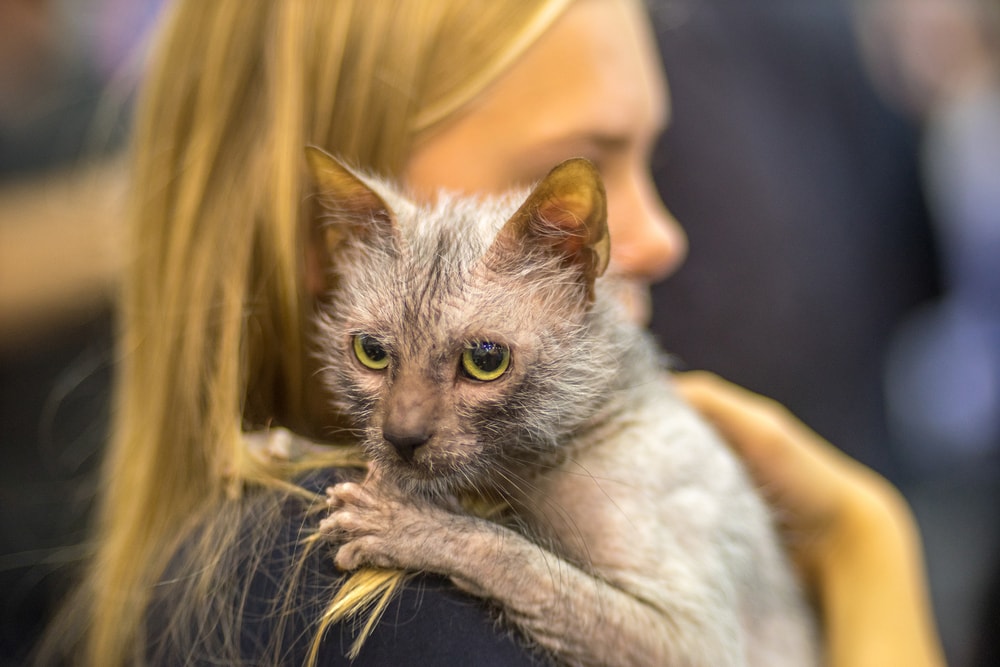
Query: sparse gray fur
pixel 632 534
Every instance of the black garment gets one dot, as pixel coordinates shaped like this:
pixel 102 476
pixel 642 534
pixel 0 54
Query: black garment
pixel 429 623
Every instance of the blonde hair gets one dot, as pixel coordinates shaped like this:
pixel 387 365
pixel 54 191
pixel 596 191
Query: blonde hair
pixel 214 314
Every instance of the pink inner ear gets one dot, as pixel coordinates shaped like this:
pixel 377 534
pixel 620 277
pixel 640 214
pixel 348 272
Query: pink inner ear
pixel 568 213
pixel 560 226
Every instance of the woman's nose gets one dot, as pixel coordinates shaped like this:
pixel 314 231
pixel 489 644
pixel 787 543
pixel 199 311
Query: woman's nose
pixel 647 242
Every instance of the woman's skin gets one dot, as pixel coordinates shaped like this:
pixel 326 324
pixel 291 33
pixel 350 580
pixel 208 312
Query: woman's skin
pixel 592 86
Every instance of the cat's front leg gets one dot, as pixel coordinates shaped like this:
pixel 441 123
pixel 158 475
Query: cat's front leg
pixel 582 618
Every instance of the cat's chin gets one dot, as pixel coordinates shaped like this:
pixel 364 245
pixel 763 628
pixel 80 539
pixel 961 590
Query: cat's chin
pixel 426 479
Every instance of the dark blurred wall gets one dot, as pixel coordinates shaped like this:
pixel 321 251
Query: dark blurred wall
pixel 800 193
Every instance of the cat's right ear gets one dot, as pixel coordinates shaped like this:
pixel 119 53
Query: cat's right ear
pixel 347 208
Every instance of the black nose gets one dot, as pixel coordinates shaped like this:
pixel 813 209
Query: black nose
pixel 406 443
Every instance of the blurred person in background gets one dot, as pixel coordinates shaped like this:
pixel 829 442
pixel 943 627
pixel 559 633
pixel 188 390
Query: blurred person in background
pixel 64 86
pixel 939 61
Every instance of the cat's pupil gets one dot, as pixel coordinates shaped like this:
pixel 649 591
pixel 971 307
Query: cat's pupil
pixel 374 351
pixel 487 357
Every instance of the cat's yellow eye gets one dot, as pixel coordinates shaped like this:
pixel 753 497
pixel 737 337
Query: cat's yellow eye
pixel 485 361
pixel 370 352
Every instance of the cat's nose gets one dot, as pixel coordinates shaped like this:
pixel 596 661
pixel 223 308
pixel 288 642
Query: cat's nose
pixel 406 444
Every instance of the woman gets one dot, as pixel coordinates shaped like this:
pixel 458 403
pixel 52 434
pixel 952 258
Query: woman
pixel 200 553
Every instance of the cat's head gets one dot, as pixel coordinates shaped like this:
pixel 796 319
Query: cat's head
pixel 457 334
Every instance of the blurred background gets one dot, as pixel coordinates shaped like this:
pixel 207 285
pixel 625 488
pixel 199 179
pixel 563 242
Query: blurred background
pixel 835 163
pixel 67 74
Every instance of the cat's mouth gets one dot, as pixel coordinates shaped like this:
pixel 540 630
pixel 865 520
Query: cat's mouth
pixel 429 466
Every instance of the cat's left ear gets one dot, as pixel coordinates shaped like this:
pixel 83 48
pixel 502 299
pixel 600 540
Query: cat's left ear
pixel 567 214
pixel 349 209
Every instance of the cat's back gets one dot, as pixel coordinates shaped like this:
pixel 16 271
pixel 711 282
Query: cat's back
pixel 658 500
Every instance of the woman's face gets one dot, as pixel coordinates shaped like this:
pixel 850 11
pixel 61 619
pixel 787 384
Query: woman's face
pixel 591 86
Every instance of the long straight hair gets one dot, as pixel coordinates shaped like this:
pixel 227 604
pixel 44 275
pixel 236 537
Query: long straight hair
pixel 214 314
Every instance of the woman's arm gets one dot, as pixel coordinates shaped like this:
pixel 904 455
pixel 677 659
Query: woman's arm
pixel 849 530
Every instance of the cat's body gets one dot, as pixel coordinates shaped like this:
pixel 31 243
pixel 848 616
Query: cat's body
pixel 635 538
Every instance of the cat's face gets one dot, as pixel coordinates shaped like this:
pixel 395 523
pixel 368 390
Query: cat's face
pixel 452 332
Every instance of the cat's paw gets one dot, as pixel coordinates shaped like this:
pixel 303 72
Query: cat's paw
pixel 377 526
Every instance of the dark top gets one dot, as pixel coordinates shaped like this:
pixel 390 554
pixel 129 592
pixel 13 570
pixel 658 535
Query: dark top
pixel 429 623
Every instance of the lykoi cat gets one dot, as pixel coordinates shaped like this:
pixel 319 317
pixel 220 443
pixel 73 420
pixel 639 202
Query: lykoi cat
pixel 486 361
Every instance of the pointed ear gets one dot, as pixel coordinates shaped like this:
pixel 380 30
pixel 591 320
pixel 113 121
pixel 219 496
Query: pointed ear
pixel 347 208
pixel 565 214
